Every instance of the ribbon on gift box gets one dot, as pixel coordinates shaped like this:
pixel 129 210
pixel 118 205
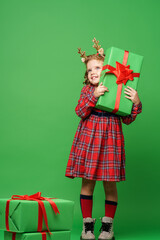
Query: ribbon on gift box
pixel 41 208
pixel 44 236
pixel 123 74
pixel 14 236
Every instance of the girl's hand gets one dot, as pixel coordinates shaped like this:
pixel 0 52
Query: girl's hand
pixel 133 95
pixel 100 90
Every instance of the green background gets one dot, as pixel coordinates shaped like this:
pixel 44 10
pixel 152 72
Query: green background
pixel 41 79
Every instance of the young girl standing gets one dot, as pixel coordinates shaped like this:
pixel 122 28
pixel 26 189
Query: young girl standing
pixel 97 152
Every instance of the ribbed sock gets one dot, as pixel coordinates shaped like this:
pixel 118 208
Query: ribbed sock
pixel 86 203
pixel 110 208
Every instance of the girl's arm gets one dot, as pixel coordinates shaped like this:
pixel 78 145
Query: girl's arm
pixel 86 102
pixel 136 109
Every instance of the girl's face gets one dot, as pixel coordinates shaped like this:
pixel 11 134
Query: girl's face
pixel 94 68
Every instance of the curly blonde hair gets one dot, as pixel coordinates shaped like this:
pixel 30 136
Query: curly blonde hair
pixel 88 58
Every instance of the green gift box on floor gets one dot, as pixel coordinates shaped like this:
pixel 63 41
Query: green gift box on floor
pixel 24 215
pixel 57 235
pixel 116 62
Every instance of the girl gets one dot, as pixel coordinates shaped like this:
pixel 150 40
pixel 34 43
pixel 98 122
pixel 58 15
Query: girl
pixel 97 152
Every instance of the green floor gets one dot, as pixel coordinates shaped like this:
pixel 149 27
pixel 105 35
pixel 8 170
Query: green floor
pixel 133 230
pixel 152 235
pixel 135 236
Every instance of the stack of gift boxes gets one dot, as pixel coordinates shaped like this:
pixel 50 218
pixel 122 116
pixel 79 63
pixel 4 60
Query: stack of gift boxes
pixel 36 218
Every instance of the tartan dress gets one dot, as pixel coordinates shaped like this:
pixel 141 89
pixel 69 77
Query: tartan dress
pixel 97 152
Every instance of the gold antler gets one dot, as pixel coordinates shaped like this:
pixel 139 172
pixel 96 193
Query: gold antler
pixel 96 46
pixel 83 53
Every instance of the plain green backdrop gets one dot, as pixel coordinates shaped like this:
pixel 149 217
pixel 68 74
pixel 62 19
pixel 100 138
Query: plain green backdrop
pixel 41 77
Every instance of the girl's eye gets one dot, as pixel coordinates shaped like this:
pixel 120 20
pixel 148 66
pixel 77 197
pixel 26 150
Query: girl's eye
pixel 97 67
pixel 89 70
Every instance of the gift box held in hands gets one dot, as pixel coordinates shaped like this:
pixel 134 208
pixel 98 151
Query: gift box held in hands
pixel 35 214
pixel 120 69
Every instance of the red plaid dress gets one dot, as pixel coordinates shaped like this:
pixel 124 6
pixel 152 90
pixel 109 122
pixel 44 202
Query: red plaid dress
pixel 97 152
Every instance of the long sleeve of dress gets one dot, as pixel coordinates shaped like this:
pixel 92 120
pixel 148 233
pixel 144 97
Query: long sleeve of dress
pixel 136 109
pixel 86 102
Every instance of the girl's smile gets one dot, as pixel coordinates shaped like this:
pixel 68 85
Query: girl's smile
pixel 94 68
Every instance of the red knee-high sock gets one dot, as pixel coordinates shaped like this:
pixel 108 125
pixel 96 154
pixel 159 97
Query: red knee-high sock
pixel 110 208
pixel 86 203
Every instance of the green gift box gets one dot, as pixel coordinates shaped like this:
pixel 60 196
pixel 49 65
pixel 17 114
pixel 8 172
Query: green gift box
pixel 123 69
pixel 23 215
pixel 57 235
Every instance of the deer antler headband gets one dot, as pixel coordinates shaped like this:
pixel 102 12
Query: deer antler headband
pixel 100 50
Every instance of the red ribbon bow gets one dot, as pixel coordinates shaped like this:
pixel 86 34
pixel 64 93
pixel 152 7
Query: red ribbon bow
pixel 122 72
pixel 41 209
